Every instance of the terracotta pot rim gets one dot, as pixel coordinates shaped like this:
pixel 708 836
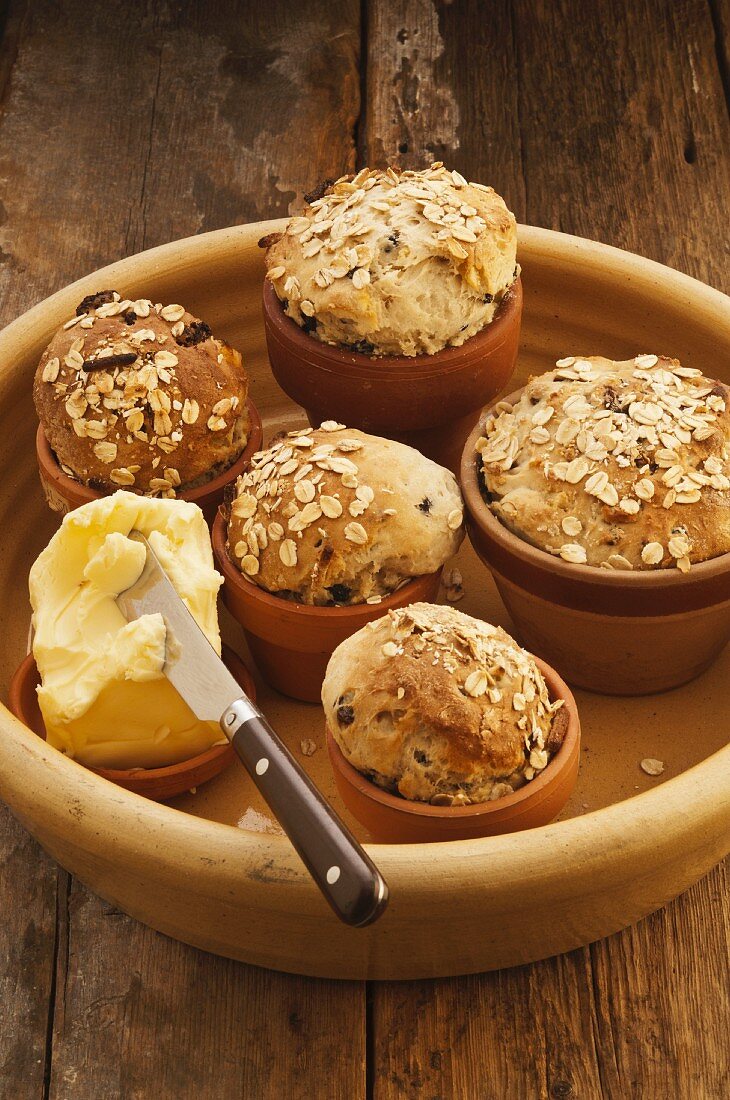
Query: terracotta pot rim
pixel 254 594
pixel 522 797
pixel 28 670
pixel 392 367
pixel 480 514
pixel 70 487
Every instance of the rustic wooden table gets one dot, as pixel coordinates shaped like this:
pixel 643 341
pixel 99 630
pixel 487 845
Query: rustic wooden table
pixel 123 126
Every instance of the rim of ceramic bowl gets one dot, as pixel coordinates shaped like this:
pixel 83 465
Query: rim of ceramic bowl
pixel 276 603
pixel 28 669
pixel 71 487
pixel 558 689
pixel 482 516
pixel 334 359
pixel 679 826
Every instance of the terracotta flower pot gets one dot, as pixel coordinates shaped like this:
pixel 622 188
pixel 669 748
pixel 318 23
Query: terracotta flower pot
pixel 391 819
pixel 291 642
pixel 615 632
pixel 430 402
pixel 158 784
pixel 64 493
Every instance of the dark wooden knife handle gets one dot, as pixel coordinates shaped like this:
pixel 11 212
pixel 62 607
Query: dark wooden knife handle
pixel 347 877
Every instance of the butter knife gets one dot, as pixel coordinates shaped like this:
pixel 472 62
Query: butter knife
pixel 347 877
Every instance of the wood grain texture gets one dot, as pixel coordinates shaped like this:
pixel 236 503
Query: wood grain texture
pixel 662 998
pixel 28 900
pixel 122 127
pixel 127 127
pixel 640 1014
pixel 625 129
pixel 528 1031
pixel 720 15
pixel 139 1015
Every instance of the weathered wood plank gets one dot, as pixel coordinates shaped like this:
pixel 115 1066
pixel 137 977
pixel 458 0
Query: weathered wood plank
pixel 662 997
pixel 639 1014
pixel 441 85
pixel 252 105
pixel 624 128
pixel 125 128
pixel 28 887
pixel 528 1031
pixel 122 127
pixel 720 15
pixel 141 1016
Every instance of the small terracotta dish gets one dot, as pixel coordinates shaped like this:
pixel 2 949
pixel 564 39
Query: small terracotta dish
pixel 391 819
pixel 615 632
pixel 292 642
pixel 64 493
pixel 430 402
pixel 159 784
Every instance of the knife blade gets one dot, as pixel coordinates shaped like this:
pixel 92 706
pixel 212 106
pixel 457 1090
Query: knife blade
pixel 342 870
pixel 191 663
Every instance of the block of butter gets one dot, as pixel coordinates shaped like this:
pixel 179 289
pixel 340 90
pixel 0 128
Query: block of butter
pixel 104 698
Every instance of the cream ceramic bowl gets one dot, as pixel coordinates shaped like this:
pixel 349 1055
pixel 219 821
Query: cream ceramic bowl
pixel 455 907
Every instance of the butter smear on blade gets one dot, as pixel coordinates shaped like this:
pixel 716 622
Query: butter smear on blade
pixel 104 698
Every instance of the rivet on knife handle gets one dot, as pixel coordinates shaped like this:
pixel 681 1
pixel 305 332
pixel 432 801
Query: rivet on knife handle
pixel 349 880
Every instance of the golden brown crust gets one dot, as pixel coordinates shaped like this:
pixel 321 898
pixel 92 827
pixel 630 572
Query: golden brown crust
pixel 396 263
pixel 439 707
pixel 339 516
pixel 167 413
pixel 624 465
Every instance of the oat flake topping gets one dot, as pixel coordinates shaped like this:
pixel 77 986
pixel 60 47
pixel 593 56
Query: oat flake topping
pixel 115 369
pixel 396 263
pixel 624 465
pixel 441 707
pixel 334 515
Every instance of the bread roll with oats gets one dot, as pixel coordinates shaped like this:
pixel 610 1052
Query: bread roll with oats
pixel 440 707
pixel 622 465
pixel 335 516
pixel 396 263
pixel 141 395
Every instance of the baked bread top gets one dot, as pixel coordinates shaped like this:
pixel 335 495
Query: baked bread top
pixel 396 263
pixel 335 516
pixel 440 707
pixel 141 395
pixel 623 465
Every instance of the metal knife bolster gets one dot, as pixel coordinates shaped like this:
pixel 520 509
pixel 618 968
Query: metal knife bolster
pixel 235 716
